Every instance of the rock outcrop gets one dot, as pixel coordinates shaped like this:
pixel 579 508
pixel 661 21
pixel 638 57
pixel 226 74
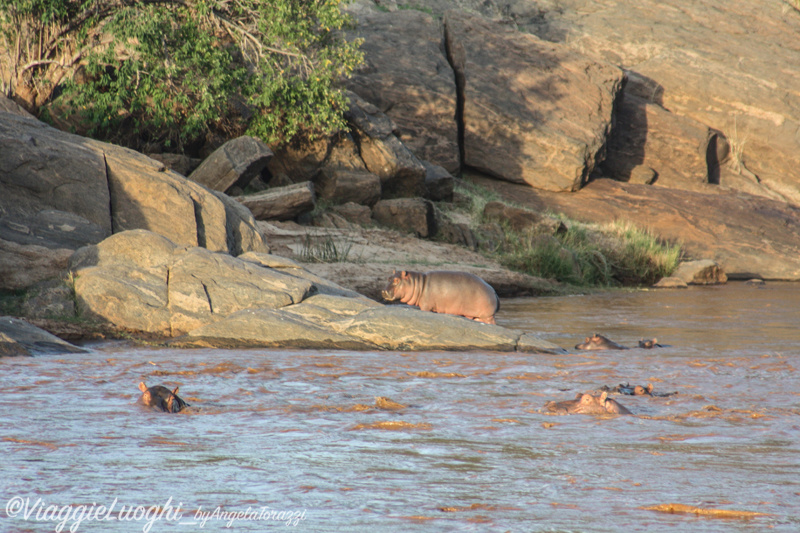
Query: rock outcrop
pixel 407 76
pixel 747 236
pixel 532 111
pixel 59 192
pixel 141 281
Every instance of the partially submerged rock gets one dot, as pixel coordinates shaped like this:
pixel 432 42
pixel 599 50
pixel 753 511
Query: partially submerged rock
pixel 701 272
pixel 17 337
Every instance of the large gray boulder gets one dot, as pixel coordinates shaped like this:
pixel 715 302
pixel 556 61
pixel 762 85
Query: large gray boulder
pixel 140 280
pixel 59 192
pixel 533 112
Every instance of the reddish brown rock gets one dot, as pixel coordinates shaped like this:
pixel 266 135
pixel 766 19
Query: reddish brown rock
pixel 406 75
pixel 748 236
pixel 533 111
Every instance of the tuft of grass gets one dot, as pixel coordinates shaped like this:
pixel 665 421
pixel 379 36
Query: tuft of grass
pixel 473 198
pixel 325 250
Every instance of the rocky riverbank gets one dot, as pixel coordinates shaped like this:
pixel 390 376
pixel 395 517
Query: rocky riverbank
pixel 558 108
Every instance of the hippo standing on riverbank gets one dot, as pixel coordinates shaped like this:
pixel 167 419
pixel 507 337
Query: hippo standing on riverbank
pixel 586 404
pixel 162 398
pixel 454 293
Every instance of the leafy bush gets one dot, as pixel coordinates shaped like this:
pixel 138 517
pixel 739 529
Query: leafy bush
pixel 169 72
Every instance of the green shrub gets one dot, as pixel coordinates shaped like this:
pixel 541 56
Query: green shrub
pixel 587 254
pixel 169 72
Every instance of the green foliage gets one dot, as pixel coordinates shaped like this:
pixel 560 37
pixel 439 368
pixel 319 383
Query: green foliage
pixel 169 72
pixel 617 254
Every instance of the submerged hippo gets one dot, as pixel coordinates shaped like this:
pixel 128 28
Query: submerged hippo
pixel 586 404
pixel 454 293
pixel 651 343
pixel 598 342
pixel 630 390
pixel 162 398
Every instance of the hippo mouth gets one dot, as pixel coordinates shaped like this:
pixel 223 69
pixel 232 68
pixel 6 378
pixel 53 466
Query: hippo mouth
pixel 389 297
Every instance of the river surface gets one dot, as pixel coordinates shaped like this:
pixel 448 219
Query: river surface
pixel 287 439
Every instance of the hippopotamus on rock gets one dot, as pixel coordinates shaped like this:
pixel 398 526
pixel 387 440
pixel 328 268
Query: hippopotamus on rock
pixel 454 293
pixel 586 404
pixel 162 398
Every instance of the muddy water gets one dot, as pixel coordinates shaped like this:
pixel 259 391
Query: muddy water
pixel 283 439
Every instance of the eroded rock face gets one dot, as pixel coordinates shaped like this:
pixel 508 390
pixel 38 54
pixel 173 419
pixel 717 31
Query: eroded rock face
pixel 533 111
pixel 720 64
pixel 406 75
pixel 747 236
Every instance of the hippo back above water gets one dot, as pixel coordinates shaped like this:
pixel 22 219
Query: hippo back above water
pixel 454 293
pixel 161 398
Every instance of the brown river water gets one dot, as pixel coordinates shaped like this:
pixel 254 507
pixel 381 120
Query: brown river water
pixel 295 439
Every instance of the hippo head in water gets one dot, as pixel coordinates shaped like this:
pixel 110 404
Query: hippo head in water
pixel 598 342
pixel 161 398
pixel 588 404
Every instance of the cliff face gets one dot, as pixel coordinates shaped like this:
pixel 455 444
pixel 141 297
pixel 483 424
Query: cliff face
pixel 709 95
pixel 690 109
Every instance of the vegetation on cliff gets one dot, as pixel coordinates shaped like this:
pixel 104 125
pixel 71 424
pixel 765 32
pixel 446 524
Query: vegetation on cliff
pixel 166 73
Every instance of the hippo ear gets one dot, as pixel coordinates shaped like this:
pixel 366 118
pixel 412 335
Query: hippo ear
pixel 175 391
pixel 142 386
pixel 578 396
pixel 403 274
pixel 603 397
